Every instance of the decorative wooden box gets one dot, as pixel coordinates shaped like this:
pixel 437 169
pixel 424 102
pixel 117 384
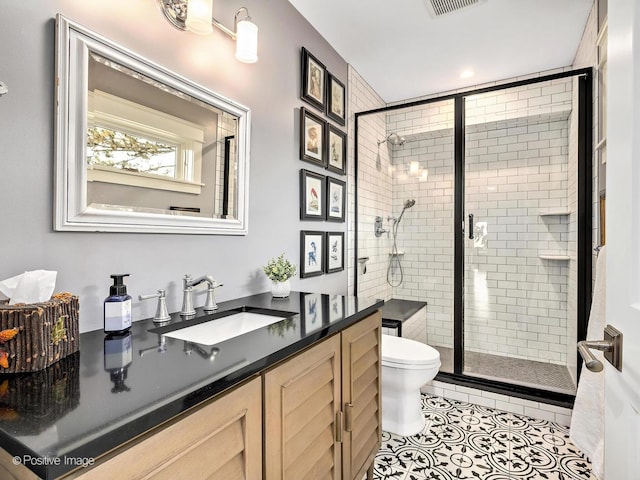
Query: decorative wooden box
pixel 34 336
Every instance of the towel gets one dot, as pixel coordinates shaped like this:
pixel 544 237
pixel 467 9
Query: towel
pixel 587 419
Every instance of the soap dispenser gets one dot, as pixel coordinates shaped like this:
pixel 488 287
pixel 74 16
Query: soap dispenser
pixel 117 306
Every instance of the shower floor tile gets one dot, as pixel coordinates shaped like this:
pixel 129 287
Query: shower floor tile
pixel 516 370
pixel 465 441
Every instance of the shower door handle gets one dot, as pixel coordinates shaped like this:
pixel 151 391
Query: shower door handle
pixel 471 226
pixel 611 345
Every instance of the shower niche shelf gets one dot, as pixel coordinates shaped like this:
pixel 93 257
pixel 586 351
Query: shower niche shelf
pixel 552 213
pixel 396 254
pixel 554 256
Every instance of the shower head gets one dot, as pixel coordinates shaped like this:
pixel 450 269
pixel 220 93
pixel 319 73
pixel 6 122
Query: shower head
pixel 393 139
pixel 409 203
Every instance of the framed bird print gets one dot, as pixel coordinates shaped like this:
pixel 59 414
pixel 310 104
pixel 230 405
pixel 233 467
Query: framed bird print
pixel 312 138
pixel 312 195
pixel 336 199
pixel 334 255
pixel 336 150
pixel 313 78
pixel 311 253
pixel 336 103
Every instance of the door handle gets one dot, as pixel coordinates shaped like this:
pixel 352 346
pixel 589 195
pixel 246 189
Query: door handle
pixel 611 346
pixel 348 417
pixel 339 427
pixel 471 226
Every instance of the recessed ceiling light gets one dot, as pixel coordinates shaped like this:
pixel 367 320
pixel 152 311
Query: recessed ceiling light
pixel 468 73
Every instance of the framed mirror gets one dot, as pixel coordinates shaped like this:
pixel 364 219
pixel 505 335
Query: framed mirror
pixel 142 149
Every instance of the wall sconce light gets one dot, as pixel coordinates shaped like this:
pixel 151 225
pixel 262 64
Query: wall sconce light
pixel 197 17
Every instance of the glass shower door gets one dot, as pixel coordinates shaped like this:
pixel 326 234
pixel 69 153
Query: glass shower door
pixel 520 236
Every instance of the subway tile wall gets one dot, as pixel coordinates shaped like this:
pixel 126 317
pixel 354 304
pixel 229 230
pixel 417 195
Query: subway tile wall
pixel 425 234
pixel 515 301
pixel 374 191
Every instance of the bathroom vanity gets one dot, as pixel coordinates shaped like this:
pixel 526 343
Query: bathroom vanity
pixel 298 398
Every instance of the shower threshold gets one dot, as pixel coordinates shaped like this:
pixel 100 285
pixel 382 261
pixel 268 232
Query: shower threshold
pixel 528 373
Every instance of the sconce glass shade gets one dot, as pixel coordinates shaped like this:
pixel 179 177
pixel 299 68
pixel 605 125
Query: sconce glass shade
pixel 199 15
pixel 246 41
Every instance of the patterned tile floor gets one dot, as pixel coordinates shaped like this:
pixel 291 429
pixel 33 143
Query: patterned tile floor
pixel 465 441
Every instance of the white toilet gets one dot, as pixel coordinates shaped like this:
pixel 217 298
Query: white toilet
pixel 406 366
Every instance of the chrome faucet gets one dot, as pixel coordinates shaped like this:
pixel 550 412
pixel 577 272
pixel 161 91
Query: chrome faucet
pixel 187 298
pixel 162 315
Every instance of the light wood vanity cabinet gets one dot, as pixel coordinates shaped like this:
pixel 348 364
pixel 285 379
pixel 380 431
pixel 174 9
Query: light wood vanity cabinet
pixel 315 415
pixel 220 440
pixel 322 408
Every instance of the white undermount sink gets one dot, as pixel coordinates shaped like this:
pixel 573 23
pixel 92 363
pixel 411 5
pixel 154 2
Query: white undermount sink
pixel 221 329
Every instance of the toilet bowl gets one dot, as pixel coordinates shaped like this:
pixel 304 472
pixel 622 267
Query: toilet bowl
pixel 406 366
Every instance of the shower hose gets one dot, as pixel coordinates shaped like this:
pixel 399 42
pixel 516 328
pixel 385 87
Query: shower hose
pixel 394 256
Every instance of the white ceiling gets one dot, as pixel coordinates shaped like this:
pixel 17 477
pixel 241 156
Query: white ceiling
pixel 404 53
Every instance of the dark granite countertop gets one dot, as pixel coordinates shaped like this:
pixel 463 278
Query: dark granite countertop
pixel 398 310
pixel 116 388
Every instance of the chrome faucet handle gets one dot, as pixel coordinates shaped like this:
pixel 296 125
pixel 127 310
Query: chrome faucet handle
pixel 187 297
pixel 162 315
pixel 187 303
pixel 210 304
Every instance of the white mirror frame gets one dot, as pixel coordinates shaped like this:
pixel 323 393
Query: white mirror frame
pixel 71 213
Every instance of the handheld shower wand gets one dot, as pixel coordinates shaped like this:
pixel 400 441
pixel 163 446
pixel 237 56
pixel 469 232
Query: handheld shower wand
pixel 408 204
pixel 394 250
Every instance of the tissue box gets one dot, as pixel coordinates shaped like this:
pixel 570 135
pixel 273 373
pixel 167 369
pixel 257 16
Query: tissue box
pixel 36 335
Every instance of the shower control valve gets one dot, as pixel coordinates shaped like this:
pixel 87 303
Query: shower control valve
pixel 378 227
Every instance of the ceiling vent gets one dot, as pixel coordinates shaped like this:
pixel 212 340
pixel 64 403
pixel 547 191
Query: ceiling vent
pixel 438 8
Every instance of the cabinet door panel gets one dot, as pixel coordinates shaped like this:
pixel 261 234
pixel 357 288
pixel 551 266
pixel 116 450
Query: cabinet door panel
pixel 361 395
pixel 366 381
pixel 317 430
pixel 363 444
pixel 302 398
pixel 301 390
pixel 321 404
pixel 221 440
pixel 228 444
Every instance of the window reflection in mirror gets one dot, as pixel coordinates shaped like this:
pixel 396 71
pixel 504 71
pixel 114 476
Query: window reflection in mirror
pixel 152 147
pixel 142 149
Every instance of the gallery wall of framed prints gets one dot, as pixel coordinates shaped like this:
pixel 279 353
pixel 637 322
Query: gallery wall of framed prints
pixel 323 143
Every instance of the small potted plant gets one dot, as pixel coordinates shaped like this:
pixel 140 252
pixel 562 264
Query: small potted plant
pixel 280 270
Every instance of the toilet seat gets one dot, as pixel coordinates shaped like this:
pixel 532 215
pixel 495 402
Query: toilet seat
pixel 405 353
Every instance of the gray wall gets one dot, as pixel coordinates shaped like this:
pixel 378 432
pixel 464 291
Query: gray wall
pixel 270 88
